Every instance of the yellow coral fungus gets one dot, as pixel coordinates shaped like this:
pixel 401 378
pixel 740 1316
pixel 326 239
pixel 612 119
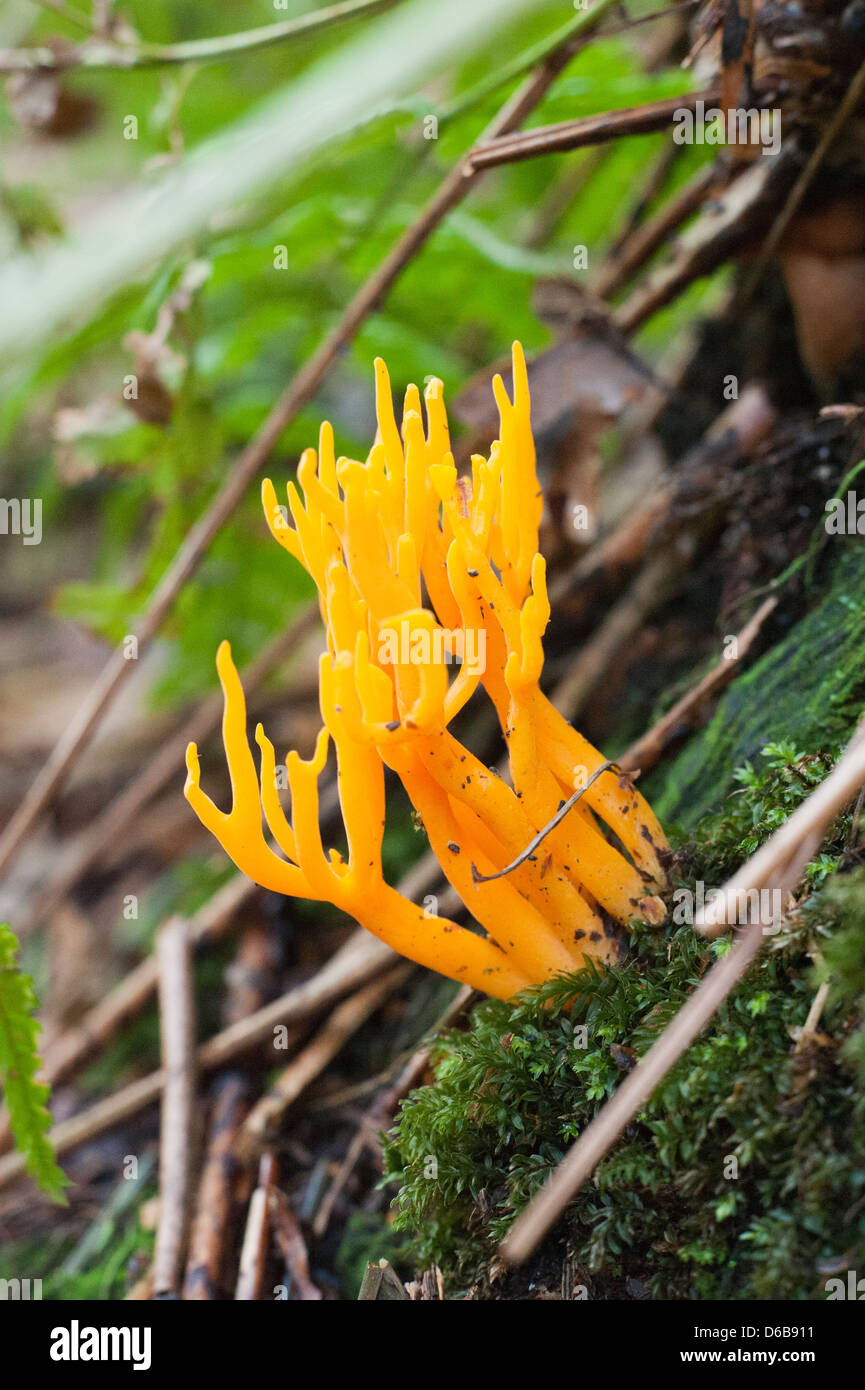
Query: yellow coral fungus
pixel 380 538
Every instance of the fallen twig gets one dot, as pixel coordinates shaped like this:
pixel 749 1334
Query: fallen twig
pixel 649 749
pixel 651 586
pixel 177 1018
pixel 566 806
pixel 264 1118
pixel 69 1051
pixel 381 1282
pixel 256 1237
pixel 587 130
pixel 644 241
pixel 292 1246
pixel 357 961
pixel 209 1236
pixel 807 823
pixel 705 245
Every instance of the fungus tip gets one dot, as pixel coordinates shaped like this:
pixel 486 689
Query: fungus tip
pixel 193 766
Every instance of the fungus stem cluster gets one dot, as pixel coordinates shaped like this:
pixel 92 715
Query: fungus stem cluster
pixel 401 546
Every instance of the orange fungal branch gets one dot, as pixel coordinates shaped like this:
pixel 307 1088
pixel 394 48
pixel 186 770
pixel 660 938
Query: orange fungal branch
pixel 431 587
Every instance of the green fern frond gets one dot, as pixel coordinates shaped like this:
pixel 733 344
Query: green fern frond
pixel 26 1098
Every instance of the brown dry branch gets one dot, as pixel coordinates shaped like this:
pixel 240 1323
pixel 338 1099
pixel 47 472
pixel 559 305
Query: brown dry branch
pixel 672 547
pixel 649 749
pixel 289 1240
pixel 652 187
pixel 177 1129
pixel 809 1027
pixel 615 555
pixel 708 242
pixel 586 130
pixel 248 979
pixel 430 1288
pixel 256 1238
pixel 631 255
pixel 68 1052
pixel 300 391
pixel 264 1119
pixel 650 588
pixel 779 864
pixel 210 1231
pixel 355 962
pixel 807 822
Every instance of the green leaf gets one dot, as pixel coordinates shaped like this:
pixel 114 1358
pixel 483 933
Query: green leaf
pixel 26 1097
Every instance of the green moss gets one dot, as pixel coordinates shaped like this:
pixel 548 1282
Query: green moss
pixel 808 689
pixel 765 792
pixel 743 1176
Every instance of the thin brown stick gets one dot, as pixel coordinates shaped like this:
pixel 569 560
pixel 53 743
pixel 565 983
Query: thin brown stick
pixel 545 830
pixel 648 590
pixel 651 188
pixel 633 253
pixel 649 749
pixel 209 1237
pixel 176 1138
pixel 222 1178
pixel 587 130
pixel 705 245
pixel 292 1246
pixel 265 1117
pixel 73 1049
pixel 300 391
pixel 253 1255
pixel 784 856
pixel 604 566
pixel 809 1027
pixel 809 820
pixel 738 428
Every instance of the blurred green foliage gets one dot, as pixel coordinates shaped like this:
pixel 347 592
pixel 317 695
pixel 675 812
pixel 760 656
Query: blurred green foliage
pixel 139 486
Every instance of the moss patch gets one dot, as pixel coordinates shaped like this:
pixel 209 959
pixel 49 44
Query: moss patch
pixel 743 1176
pixel 808 689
